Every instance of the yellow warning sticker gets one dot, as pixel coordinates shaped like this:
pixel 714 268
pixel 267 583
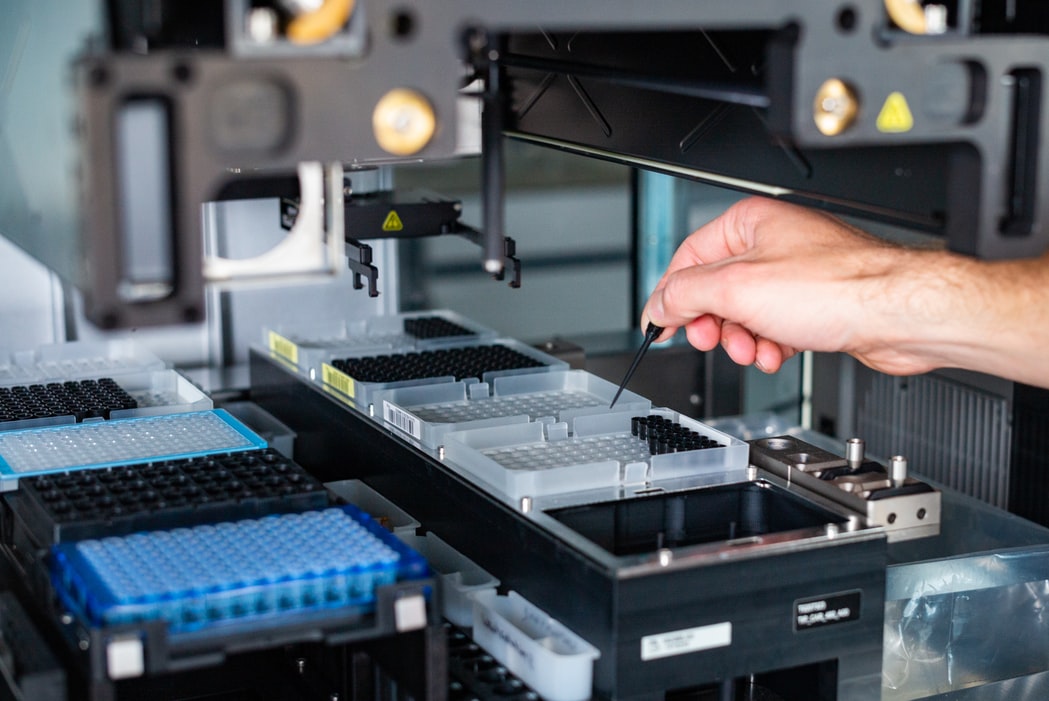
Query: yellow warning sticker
pixel 283 347
pixel 895 116
pixel 338 379
pixel 393 222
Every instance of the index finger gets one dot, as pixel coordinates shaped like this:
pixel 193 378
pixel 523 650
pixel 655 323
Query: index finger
pixel 726 236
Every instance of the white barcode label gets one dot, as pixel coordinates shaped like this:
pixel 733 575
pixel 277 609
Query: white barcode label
pixel 402 420
pixel 679 642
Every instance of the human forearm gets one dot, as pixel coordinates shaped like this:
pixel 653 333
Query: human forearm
pixel 947 310
pixel 767 279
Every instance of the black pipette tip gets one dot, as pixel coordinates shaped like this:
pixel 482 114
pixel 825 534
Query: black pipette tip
pixel 651 333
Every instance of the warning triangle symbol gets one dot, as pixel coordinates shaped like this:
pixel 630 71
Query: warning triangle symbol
pixel 895 116
pixel 393 222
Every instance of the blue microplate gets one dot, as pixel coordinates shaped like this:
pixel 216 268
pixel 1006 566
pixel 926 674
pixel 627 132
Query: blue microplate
pixel 207 576
pixel 41 451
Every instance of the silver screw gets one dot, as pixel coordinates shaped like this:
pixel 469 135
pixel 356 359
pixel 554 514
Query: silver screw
pixel 854 450
pixel 300 665
pixel 526 505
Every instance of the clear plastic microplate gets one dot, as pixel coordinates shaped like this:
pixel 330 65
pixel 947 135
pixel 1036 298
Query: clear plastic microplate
pixel 430 412
pixel 99 444
pixel 589 452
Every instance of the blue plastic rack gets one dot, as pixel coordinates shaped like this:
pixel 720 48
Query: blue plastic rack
pixel 207 576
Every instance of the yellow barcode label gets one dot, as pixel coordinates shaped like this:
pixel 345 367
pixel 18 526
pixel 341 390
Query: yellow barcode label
pixel 337 379
pixel 283 347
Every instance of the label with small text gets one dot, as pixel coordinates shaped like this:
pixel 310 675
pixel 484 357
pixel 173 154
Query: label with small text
pixel 827 610
pixel 679 642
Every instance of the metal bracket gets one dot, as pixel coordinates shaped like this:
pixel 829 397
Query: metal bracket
pixel 361 263
pixel 362 266
pixel 510 259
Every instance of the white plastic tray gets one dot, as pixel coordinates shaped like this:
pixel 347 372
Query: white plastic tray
pixel 534 459
pixel 550 658
pixel 429 412
pixel 75 361
pixel 306 346
pixel 362 394
pixel 156 392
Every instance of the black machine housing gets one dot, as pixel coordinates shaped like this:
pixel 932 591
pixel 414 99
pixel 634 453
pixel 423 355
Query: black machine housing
pixel 716 90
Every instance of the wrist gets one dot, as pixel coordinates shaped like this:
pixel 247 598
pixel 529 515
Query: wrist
pixel 920 315
pixel 956 311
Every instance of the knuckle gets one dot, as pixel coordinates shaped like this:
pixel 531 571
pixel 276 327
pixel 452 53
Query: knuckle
pixel 675 294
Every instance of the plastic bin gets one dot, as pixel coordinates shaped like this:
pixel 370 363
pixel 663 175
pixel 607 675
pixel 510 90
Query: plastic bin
pixel 460 579
pixel 428 413
pixel 589 452
pixel 554 661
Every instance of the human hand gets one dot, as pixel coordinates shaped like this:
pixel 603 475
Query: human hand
pixel 767 279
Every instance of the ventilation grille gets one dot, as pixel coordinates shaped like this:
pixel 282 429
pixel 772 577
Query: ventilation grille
pixel 949 433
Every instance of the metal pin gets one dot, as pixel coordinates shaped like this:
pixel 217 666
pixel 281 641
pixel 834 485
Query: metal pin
pixel 651 333
pixel 854 452
pixel 898 470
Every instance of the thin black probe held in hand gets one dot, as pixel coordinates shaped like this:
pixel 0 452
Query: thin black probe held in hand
pixel 651 333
